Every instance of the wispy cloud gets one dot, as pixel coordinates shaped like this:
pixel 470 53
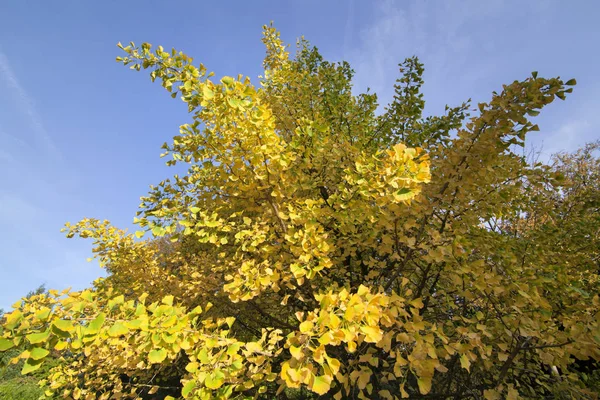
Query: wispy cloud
pixel 27 106
pixel 568 137
pixel 348 28
pixel 432 31
pixel 458 42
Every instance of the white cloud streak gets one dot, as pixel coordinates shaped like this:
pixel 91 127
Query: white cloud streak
pixel 27 106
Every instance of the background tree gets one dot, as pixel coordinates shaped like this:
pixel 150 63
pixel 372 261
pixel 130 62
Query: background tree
pixel 316 248
pixel 13 386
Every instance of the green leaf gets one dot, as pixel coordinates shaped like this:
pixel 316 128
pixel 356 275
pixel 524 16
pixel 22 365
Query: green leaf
pixel 118 329
pixel 31 365
pixel 6 344
pixel 195 210
pixel 35 338
pixel 215 379
pixel 188 388
pixel 571 82
pixel 95 325
pixel 38 353
pixel 534 74
pixel 64 325
pixel 157 356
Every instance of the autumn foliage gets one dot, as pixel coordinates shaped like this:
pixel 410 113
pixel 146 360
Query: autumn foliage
pixel 318 247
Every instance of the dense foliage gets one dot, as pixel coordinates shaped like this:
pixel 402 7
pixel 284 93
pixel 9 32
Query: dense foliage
pixel 316 247
pixel 14 386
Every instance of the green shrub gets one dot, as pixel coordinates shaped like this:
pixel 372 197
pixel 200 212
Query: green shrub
pixel 21 388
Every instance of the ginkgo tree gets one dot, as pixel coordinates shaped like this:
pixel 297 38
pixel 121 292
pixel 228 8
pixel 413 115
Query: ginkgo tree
pixel 319 248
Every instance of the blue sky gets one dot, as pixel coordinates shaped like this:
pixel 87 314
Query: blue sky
pixel 80 134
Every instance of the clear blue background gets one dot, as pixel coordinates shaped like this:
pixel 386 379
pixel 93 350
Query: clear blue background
pixel 80 134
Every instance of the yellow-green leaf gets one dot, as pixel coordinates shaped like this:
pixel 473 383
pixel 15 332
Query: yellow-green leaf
pixel 118 329
pixel 227 80
pixel 157 356
pixel 321 384
pixel 188 388
pixel 372 333
pixel 207 93
pixel 168 300
pixel 35 338
pixel 116 301
pixel 417 303
pixel 464 362
pixel 192 367
pixel 13 319
pixel 43 314
pixel 31 365
pixel 135 324
pixel 424 383
pixel 296 352
pixel 306 326
pixel 64 325
pixel 5 344
pixel 94 326
pixel 215 379
pixel 38 353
